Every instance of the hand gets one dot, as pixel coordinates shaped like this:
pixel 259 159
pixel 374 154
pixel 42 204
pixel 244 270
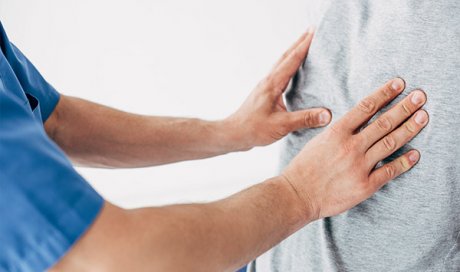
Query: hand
pixel 335 170
pixel 263 118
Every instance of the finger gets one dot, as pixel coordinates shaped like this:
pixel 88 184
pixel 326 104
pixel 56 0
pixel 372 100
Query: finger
pixel 391 119
pixel 391 170
pixel 396 139
pixel 288 52
pixel 311 118
pixel 367 107
pixel 284 71
pixel 289 65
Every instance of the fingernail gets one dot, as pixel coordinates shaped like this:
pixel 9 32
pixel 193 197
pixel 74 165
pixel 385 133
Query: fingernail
pixel 417 97
pixel 324 117
pixel 413 156
pixel 421 117
pixel 397 84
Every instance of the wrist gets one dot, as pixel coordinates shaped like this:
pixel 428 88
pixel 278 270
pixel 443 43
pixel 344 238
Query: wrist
pixel 234 135
pixel 294 212
pixel 302 202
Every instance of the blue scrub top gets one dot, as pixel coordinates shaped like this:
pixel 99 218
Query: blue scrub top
pixel 45 205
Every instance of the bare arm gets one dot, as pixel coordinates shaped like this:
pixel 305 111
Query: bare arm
pixel 99 136
pixel 96 135
pixel 333 172
pixel 218 236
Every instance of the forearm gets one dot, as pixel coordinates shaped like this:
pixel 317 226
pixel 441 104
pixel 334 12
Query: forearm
pixel 225 235
pixel 95 135
pixel 219 236
pixel 334 172
pixel 100 136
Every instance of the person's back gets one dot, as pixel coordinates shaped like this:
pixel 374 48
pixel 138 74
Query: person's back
pixel 413 223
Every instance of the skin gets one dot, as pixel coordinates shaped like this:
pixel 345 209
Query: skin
pixel 333 172
pixel 98 136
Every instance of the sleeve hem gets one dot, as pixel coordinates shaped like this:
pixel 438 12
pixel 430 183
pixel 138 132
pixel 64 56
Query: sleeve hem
pixel 59 241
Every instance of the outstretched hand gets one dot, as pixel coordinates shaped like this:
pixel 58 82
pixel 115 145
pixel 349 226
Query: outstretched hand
pixel 336 169
pixel 263 118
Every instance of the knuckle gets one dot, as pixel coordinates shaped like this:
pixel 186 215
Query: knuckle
pixel 298 55
pixel 347 147
pixel 360 140
pixel 410 127
pixel 272 83
pixel 387 91
pixel 389 143
pixel 390 170
pixel 299 58
pixel 363 187
pixel 356 141
pixel 351 145
pixel 278 88
pixel 309 119
pixel 384 124
pixel 404 164
pixel 406 109
pixel 337 128
pixel 286 54
pixel 367 105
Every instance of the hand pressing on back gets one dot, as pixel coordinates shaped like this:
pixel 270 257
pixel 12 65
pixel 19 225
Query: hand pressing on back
pixel 335 171
pixel 263 118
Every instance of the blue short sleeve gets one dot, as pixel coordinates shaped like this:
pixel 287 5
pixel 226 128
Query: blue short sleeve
pixel 30 80
pixel 45 205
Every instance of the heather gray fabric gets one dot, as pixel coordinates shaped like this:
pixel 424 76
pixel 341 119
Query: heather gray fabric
pixel 413 223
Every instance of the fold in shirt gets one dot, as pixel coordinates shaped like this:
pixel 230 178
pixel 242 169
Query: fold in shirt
pixel 45 205
pixel 412 223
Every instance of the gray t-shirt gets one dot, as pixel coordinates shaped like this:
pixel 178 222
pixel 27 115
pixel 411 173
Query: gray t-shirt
pixel 413 223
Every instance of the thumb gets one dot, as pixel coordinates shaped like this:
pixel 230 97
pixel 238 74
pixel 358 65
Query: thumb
pixel 310 118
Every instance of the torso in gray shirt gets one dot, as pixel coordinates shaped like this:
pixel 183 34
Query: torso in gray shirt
pixel 413 223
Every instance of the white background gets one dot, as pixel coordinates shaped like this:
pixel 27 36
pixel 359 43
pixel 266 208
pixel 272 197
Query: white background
pixel 158 57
